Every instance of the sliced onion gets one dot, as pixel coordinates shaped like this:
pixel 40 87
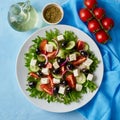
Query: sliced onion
pixel 67 59
pixel 46 59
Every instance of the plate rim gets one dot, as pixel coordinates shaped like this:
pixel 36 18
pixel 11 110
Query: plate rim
pixel 54 26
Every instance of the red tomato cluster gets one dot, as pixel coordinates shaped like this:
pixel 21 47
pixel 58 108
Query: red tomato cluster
pixel 96 20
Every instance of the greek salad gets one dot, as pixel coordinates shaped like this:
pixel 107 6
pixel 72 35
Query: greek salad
pixel 60 67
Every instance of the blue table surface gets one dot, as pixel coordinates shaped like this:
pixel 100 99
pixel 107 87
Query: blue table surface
pixel 13 104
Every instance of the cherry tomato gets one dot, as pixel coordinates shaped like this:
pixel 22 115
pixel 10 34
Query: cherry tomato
pixel 79 61
pixel 51 55
pixel 94 26
pixel 85 15
pixel 90 4
pixel 80 45
pixel 107 23
pixel 47 88
pixel 71 80
pixel 101 36
pixel 50 80
pixel 34 75
pixel 99 13
pixel 42 46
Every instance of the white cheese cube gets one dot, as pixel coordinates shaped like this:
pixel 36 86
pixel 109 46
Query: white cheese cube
pixel 56 65
pixel 82 66
pixel 72 57
pixel 56 81
pixel 49 47
pixel 60 37
pixel 44 80
pixel 61 90
pixel 78 87
pixel 88 62
pixel 45 71
pixel 76 72
pixel 90 77
pixel 33 62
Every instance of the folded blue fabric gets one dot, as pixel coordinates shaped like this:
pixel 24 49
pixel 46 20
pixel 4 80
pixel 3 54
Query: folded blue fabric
pixel 105 105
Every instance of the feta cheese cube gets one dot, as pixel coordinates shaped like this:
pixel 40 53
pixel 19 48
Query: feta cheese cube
pixel 90 77
pixel 45 71
pixel 44 80
pixel 78 87
pixel 72 57
pixel 76 72
pixel 61 90
pixel 60 37
pixel 82 66
pixel 88 62
pixel 56 65
pixel 56 81
pixel 49 47
pixel 33 62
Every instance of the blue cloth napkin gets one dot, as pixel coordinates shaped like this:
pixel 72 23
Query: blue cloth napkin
pixel 105 105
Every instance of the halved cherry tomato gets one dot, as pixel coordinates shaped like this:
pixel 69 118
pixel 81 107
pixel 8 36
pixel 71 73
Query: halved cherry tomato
pixel 94 26
pixel 51 55
pixel 90 4
pixel 34 75
pixel 49 65
pixel 99 13
pixel 79 61
pixel 50 80
pixel 47 88
pixel 101 36
pixel 42 46
pixel 63 69
pixel 85 15
pixel 71 80
pixel 107 23
pixel 80 45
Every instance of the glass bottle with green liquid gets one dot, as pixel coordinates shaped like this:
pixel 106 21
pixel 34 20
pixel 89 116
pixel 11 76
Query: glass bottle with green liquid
pixel 22 16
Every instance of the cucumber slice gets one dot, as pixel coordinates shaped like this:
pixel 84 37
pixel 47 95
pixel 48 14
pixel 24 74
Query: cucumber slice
pixel 41 58
pixel 86 48
pixel 81 78
pixel 53 43
pixel 61 54
pixel 57 76
pixel 70 45
pixel 34 68
pixel 38 86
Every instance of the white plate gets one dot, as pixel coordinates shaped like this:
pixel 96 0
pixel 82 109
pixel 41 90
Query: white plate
pixel 22 71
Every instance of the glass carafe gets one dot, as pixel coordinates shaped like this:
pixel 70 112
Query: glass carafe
pixel 22 16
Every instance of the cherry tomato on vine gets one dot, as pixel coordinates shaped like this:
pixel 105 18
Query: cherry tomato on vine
pixel 107 23
pixel 102 36
pixel 85 15
pixel 90 4
pixel 94 26
pixel 99 13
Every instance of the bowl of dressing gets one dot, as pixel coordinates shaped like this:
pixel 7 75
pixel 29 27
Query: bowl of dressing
pixel 52 13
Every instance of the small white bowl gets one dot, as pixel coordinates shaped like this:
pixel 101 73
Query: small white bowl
pixel 49 6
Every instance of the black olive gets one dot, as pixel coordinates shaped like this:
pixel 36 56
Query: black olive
pixel 85 71
pixel 70 66
pixel 64 82
pixel 84 53
pixel 64 44
pixel 60 60
pixel 41 64
pixel 68 89
pixel 39 73
pixel 37 51
pixel 55 89
pixel 56 71
pixel 32 84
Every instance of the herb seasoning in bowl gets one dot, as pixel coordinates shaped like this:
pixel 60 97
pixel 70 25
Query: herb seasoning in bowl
pixel 52 13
